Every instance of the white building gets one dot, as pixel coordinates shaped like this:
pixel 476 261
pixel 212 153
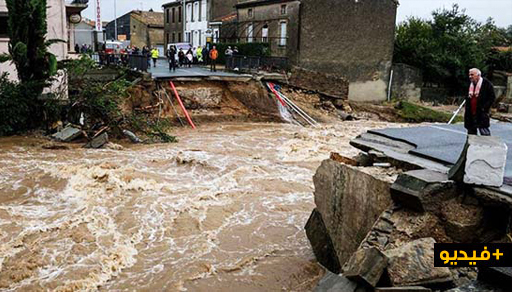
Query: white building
pixel 194 29
pixel 196 22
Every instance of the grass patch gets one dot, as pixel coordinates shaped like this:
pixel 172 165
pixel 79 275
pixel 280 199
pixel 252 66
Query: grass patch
pixel 414 113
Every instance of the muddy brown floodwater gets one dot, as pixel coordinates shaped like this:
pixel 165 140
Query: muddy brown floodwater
pixel 222 210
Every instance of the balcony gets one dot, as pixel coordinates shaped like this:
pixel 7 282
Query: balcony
pixel 76 6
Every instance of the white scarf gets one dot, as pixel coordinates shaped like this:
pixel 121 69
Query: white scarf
pixel 475 92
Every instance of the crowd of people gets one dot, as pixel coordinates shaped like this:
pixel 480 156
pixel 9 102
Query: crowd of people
pixel 196 56
pixel 177 58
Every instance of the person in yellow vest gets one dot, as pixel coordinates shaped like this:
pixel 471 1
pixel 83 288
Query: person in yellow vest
pixel 214 54
pixel 199 53
pixel 154 56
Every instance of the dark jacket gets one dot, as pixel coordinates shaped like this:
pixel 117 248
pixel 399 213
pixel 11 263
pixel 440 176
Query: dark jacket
pixel 484 103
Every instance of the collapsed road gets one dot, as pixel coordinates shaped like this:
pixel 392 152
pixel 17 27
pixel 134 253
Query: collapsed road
pixel 373 234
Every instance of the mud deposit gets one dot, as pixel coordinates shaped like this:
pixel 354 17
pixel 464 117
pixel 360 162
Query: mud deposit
pixel 222 210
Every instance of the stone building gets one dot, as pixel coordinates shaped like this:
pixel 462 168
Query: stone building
pixel 271 21
pixel 351 38
pixel 222 20
pixel 140 28
pixel 173 24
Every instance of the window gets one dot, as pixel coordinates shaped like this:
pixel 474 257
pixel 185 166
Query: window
pixel 199 11
pixel 282 40
pixel 167 15
pixel 264 33
pixel 195 11
pixel 200 38
pixel 187 37
pixel 249 12
pixel 173 15
pixel 189 13
pixel 179 14
pixel 250 30
pixel 167 38
pixel 173 37
pixel 179 37
pixel 3 25
pixel 283 9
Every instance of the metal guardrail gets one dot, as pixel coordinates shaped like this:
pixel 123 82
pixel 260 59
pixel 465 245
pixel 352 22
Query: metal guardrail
pixel 132 61
pixel 248 63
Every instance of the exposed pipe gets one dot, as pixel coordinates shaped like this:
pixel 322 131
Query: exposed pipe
pixel 271 87
pixel 293 106
pixel 182 106
pixel 297 109
pixel 303 114
pixel 172 104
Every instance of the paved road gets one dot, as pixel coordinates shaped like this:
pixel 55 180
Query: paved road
pixel 162 71
pixel 444 143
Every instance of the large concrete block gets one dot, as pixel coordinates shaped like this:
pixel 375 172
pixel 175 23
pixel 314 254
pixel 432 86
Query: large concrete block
pixel 482 162
pixel 485 161
pixel 403 289
pixel 335 283
pixel 350 202
pixel 422 190
pixel 413 264
pixel 68 134
pixel 321 242
pixel 366 266
pixel 496 276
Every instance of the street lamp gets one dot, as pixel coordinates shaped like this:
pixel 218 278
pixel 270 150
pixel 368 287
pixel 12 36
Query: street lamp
pixel 115 20
pixel 184 21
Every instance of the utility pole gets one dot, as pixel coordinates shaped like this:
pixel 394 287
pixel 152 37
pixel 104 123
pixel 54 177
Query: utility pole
pixel 184 21
pixel 115 20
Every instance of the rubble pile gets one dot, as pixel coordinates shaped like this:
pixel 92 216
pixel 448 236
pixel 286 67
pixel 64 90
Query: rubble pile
pixel 376 235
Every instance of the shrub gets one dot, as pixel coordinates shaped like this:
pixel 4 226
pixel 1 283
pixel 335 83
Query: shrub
pixel 21 109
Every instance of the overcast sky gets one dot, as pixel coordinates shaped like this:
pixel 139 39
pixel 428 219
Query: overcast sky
pixel 499 10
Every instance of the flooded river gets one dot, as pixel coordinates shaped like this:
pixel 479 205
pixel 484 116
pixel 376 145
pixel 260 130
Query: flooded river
pixel 222 210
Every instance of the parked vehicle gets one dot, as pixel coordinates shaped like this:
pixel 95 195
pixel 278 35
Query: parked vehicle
pixel 114 47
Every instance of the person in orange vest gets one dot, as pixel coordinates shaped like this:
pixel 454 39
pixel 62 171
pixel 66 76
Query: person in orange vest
pixel 214 54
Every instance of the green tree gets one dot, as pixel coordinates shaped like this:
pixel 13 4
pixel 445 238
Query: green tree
pixel 445 47
pixel 28 47
pixel 21 102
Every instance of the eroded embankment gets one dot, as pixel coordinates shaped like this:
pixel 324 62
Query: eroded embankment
pixel 220 101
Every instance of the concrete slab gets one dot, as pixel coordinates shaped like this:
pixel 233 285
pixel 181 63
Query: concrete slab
pixel 485 161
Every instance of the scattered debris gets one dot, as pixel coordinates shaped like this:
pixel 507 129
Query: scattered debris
pixel 382 164
pixel 337 157
pixel 500 276
pixel 333 283
pixel 413 264
pixel 366 266
pixel 422 190
pixel 68 134
pixel 132 136
pixel 403 289
pixel 113 146
pixel 98 141
pixel 55 146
